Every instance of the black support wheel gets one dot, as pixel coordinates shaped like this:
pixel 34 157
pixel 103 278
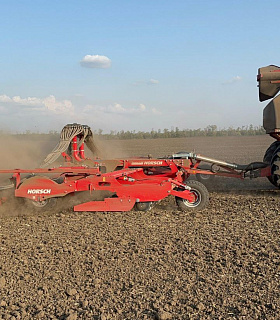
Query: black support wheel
pixel 270 157
pixel 200 197
pixel 143 206
pixel 205 178
pixel 41 205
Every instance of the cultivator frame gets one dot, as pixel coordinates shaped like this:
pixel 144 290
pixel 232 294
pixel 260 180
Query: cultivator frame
pixel 132 182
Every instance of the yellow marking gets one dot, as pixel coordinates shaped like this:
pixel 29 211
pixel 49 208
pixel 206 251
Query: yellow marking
pixel 104 179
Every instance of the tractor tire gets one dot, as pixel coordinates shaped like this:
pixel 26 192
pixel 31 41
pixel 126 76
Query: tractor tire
pixel 201 197
pixel 143 206
pixel 269 158
pixel 270 151
pixel 275 169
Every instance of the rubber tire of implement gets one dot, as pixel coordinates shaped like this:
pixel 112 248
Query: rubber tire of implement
pixel 42 205
pixel 269 158
pixel 143 206
pixel 202 197
pixel 205 178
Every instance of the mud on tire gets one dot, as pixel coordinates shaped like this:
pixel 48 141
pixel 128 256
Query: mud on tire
pixel 201 197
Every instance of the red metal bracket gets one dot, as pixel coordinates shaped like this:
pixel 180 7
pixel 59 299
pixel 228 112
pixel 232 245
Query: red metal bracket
pixel 109 204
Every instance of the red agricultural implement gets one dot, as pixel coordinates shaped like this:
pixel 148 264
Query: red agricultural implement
pixel 136 182
pixel 127 183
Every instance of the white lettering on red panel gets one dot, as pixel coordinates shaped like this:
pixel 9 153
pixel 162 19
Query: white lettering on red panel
pixel 39 191
pixel 146 163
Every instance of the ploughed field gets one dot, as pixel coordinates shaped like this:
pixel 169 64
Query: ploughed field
pixel 221 263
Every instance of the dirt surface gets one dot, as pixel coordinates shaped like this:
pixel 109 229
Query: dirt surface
pixel 221 263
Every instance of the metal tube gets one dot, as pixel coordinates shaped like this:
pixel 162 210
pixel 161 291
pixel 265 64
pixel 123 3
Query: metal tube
pixel 190 155
pixel 218 162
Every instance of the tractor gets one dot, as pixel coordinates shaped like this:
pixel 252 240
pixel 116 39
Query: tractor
pixel 269 85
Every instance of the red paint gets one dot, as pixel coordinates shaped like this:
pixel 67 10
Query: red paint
pixel 75 149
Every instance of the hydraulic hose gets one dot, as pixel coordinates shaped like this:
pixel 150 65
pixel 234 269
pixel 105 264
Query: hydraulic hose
pixel 68 133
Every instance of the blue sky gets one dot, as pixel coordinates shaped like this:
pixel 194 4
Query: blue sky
pixel 150 64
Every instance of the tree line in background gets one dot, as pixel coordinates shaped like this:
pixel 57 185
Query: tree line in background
pixel 209 131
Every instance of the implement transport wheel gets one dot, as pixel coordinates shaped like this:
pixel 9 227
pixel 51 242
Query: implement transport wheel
pixel 205 178
pixel 270 157
pixel 200 197
pixel 44 204
pixel 143 206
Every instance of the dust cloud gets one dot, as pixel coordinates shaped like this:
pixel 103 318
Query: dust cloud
pixel 23 153
pixel 19 152
pixel 108 149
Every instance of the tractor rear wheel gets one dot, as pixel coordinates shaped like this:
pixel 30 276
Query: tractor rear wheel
pixel 275 169
pixel 270 157
pixel 200 197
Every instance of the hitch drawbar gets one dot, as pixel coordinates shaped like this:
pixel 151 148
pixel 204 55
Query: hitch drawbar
pixel 247 167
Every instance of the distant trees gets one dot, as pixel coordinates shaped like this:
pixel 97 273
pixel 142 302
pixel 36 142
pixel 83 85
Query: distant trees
pixel 209 131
